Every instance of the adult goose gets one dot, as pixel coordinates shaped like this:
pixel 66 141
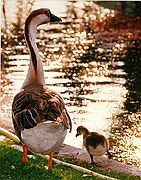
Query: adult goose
pixel 96 144
pixel 39 115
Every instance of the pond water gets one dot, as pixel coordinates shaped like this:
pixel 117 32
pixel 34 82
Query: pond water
pixel 99 78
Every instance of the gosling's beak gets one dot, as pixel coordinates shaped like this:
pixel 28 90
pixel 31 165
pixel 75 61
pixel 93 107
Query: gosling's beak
pixel 54 18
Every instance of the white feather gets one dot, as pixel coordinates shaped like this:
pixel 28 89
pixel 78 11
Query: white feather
pixel 45 137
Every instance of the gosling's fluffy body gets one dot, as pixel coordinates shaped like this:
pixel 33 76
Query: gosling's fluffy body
pixel 96 144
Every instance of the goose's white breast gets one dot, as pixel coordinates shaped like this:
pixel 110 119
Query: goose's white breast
pixel 45 137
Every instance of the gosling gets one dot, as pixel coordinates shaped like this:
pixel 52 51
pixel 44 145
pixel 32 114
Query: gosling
pixel 96 144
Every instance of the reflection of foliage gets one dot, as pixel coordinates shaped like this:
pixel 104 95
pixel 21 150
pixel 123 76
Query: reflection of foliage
pixel 128 8
pixel 125 134
pixel 131 8
pixel 107 21
pixel 12 35
pixel 126 27
pixel 124 137
pixel 133 84
pixel 71 10
pixel 89 55
pixel 24 8
pixel 78 85
pixel 17 35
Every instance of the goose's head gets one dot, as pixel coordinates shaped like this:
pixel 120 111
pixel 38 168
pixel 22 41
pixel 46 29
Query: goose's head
pixel 41 16
pixel 81 130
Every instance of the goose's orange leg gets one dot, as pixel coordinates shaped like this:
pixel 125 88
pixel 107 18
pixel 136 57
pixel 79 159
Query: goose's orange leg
pixel 50 160
pixel 25 157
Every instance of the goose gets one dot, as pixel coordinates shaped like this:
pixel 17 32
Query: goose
pixel 96 144
pixel 39 116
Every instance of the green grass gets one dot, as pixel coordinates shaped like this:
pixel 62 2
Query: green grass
pixel 106 172
pixel 12 167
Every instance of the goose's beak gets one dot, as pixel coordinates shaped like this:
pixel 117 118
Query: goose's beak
pixel 54 18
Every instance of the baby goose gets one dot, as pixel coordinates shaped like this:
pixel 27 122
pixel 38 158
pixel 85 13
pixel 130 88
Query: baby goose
pixel 96 144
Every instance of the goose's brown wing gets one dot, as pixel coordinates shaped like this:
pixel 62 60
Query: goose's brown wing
pixel 34 106
pixel 56 109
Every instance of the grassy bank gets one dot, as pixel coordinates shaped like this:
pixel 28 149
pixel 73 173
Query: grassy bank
pixel 12 167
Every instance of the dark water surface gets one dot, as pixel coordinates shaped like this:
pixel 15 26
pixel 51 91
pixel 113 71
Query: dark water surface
pixel 99 79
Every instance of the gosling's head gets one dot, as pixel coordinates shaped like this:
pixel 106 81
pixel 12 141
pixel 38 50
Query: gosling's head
pixel 81 130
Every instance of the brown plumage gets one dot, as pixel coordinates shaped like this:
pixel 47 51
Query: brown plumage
pixel 96 144
pixel 39 115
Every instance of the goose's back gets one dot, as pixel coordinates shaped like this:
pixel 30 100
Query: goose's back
pixel 32 106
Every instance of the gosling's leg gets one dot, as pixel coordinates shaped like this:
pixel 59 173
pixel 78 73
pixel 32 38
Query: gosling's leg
pixel 109 154
pixel 50 160
pixel 92 161
pixel 25 150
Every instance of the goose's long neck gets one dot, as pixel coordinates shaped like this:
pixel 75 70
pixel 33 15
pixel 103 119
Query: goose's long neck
pixel 35 72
